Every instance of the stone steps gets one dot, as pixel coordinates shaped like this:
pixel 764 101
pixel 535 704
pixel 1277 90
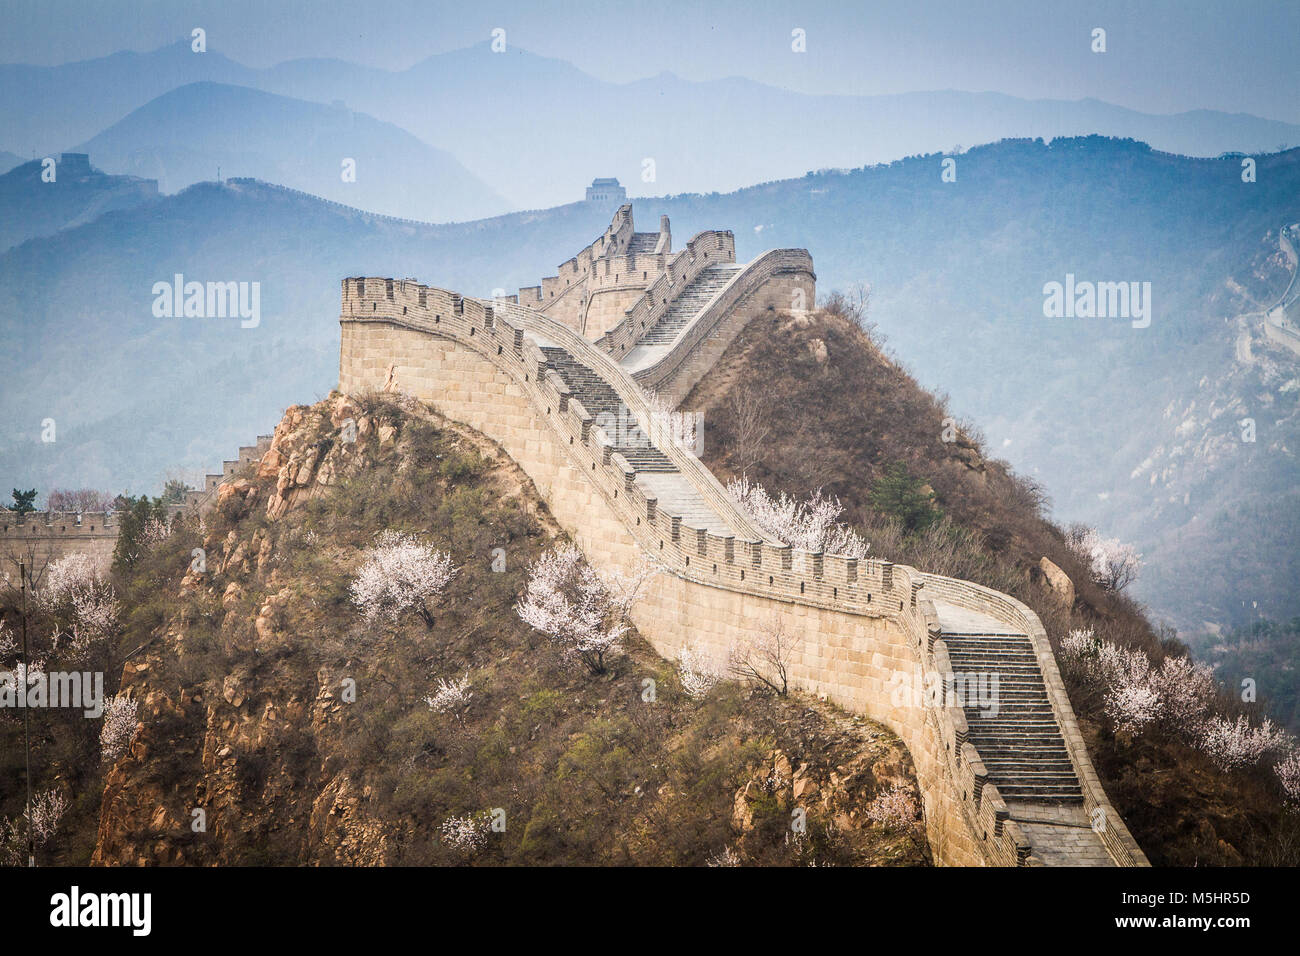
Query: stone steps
pixel 642 243
pixel 599 398
pixel 688 304
pixel 1021 745
pixel 658 477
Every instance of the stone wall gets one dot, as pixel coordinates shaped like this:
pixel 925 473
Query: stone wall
pixel 201 499
pixel 607 307
pixel 1282 335
pixel 43 537
pixel 595 290
pixel 706 249
pixel 859 624
pixel 563 296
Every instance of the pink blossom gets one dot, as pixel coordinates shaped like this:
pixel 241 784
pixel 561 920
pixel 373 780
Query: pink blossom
pixel 895 808
pixel 119 728
pixel 46 811
pixel 1113 564
pixel 1288 773
pixel 569 602
pixel 450 696
pixel 467 834
pixel 699 670
pixel 1234 744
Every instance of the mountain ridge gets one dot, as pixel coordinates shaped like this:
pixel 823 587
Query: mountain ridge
pixel 708 145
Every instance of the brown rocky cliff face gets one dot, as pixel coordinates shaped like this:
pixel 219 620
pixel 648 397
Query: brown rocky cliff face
pixel 251 757
pixel 220 747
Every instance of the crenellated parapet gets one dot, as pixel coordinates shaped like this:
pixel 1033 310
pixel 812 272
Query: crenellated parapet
pixel 780 280
pixel 200 500
pixel 58 524
pixel 40 537
pixel 565 292
pixel 591 290
pixel 707 249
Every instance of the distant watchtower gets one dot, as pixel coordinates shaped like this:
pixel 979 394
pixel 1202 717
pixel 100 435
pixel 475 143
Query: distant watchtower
pixel 606 190
pixel 74 165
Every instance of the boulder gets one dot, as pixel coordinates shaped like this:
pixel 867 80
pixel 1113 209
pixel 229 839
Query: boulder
pixel 1057 580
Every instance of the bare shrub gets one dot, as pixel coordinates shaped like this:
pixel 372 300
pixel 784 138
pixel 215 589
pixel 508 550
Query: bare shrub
pixel 749 426
pixel 764 660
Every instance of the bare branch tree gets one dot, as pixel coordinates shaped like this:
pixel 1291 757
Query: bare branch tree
pixel 765 658
pixel 749 421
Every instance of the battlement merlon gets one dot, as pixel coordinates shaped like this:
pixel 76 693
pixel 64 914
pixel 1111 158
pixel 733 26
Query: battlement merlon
pixel 59 523
pixel 665 244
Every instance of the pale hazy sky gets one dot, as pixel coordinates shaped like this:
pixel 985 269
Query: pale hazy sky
pixel 1164 55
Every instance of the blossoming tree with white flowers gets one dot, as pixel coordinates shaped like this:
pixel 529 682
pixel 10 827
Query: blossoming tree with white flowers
pixel 583 612
pixel 400 573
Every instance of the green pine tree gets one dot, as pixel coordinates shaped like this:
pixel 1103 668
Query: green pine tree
pixel 24 501
pixel 900 495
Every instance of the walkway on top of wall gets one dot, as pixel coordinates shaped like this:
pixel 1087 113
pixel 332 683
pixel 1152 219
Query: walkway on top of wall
pixel 1060 835
pixel 658 341
pixel 959 620
pixel 658 477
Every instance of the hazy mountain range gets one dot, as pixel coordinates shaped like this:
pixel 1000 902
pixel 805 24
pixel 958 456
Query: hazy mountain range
pixel 34 207
pixel 516 121
pixel 1092 407
pixel 189 134
pixel 1133 429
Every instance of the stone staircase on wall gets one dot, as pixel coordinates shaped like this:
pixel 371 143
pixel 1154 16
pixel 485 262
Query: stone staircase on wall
pixel 689 304
pixel 656 341
pixel 1021 745
pixel 603 402
pixel 653 471
pixel 642 243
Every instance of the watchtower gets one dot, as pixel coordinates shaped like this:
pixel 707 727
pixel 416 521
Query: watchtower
pixel 605 191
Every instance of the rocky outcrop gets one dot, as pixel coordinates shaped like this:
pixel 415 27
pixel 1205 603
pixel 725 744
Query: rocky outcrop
pixel 213 769
pixel 1057 580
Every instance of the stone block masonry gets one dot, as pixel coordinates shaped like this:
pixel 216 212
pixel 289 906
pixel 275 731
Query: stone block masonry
pixel 42 537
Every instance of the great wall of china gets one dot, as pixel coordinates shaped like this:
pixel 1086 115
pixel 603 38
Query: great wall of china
pixel 625 330
pixel 549 373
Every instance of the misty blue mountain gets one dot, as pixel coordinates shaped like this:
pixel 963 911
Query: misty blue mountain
pixel 502 115
pixel 188 134
pixel 39 199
